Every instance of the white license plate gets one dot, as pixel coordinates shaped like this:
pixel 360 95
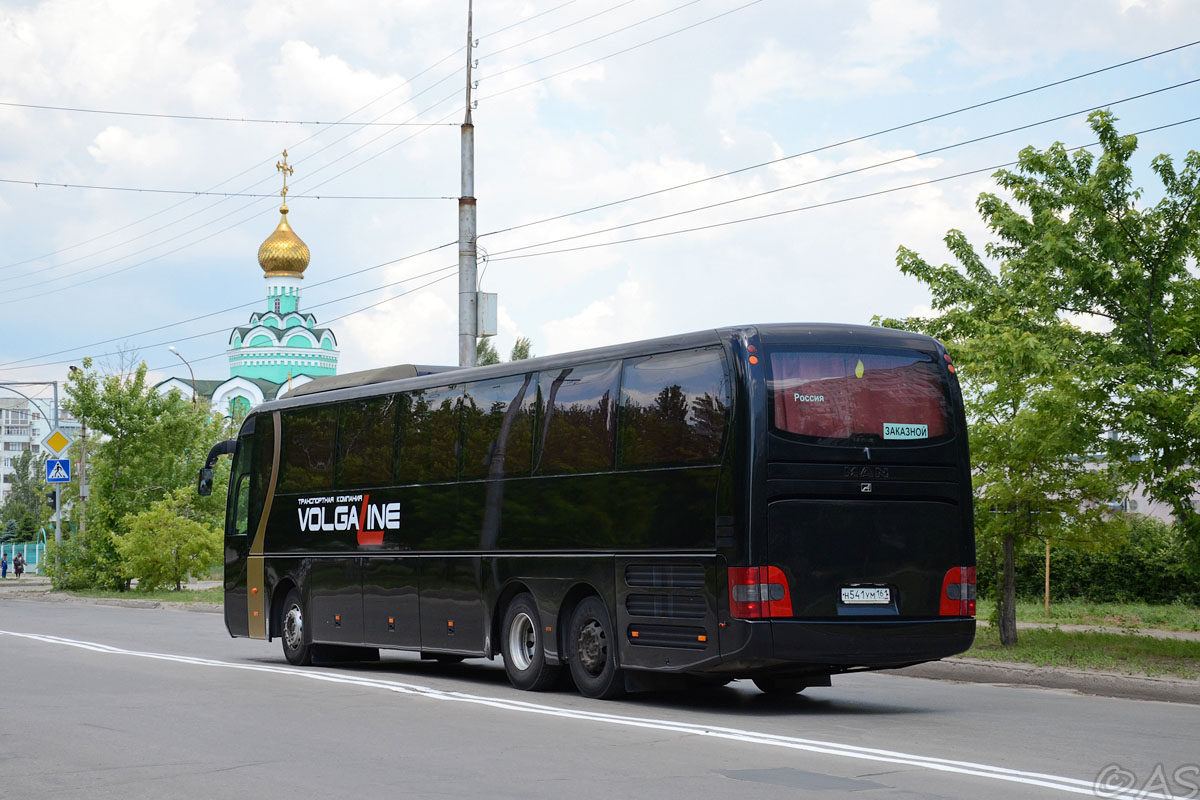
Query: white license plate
pixel 866 594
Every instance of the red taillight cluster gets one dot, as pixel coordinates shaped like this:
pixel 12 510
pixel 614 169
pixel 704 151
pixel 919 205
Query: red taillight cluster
pixel 758 593
pixel 958 593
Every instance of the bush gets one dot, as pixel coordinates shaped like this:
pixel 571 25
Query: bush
pixel 166 545
pixel 84 561
pixel 1150 565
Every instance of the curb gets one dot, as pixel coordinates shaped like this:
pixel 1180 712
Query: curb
pixel 1102 684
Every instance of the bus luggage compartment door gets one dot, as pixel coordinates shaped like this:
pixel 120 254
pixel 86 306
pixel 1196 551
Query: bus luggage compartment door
pixel 861 558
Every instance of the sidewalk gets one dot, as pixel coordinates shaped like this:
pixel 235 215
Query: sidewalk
pixel 37 587
pixel 1154 633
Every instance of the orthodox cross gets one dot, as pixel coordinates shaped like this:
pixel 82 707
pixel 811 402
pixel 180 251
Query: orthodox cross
pixel 283 167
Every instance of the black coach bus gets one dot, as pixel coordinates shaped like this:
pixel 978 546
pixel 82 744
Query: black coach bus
pixel 779 502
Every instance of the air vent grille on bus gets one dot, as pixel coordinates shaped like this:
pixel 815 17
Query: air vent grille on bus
pixel 674 576
pixel 666 605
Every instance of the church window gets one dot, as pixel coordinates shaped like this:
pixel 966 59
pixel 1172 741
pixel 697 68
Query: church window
pixel 277 306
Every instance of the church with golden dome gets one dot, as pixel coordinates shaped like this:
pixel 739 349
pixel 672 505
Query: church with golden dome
pixel 282 346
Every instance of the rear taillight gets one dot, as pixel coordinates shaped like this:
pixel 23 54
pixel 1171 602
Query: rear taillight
pixel 759 593
pixel 958 593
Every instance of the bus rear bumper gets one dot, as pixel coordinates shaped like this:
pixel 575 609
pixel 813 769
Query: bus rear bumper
pixel 864 643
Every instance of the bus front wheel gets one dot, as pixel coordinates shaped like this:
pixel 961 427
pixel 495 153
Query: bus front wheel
pixel 297 649
pixel 592 651
pixel 524 648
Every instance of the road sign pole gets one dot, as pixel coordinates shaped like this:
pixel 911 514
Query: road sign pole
pixel 57 498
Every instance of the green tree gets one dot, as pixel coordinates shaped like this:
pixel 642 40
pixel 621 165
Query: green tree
pixel 169 542
pixel 1079 235
pixel 522 349
pixel 485 353
pixel 142 446
pixel 1041 392
pixel 26 501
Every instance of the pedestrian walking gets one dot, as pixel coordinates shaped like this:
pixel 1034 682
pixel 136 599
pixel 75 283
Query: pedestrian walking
pixel 3 565
pixel 19 564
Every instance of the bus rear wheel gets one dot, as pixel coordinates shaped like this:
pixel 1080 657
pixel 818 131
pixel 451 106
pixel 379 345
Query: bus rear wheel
pixel 592 651
pixel 297 648
pixel 524 648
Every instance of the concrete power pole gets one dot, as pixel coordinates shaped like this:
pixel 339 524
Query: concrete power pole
pixel 467 262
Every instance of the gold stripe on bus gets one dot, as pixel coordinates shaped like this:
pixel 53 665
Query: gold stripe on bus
pixel 256 599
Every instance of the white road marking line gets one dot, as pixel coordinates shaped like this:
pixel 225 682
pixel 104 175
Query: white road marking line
pixel 1057 782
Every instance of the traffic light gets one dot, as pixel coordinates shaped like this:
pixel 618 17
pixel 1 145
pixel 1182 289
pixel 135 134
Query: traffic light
pixel 52 500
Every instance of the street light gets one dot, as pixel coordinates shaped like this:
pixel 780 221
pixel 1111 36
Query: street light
pixel 189 366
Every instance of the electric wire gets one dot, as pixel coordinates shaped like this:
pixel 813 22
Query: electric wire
pixel 200 118
pixel 844 142
pixel 619 52
pixel 593 41
pixel 234 177
pixel 858 170
pixel 557 30
pixel 198 193
pixel 500 256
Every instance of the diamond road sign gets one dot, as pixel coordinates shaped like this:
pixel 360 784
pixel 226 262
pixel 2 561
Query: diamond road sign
pixel 58 470
pixel 56 442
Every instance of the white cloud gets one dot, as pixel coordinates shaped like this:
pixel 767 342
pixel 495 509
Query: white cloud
pixel 117 146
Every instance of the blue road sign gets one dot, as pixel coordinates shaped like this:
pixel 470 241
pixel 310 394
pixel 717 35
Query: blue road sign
pixel 58 470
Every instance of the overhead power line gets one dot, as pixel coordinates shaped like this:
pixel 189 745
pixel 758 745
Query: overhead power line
pixel 858 170
pixel 201 118
pixel 199 193
pixel 501 255
pixel 507 255
pixel 618 53
pixel 843 142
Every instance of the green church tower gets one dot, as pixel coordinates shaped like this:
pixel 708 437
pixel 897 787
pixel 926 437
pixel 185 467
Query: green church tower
pixel 282 342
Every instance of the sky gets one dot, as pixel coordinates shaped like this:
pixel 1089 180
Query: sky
pixel 581 104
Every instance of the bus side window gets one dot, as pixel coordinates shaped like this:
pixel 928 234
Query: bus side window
pixel 674 408
pixel 427 438
pixel 578 425
pixel 242 513
pixel 306 461
pixel 498 427
pixel 365 439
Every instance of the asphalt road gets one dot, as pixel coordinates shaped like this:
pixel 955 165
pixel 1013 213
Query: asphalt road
pixel 104 702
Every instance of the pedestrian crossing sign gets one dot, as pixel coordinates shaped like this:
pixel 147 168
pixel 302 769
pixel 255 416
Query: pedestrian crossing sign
pixel 58 470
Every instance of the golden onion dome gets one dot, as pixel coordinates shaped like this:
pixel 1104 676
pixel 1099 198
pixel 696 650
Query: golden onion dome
pixel 283 254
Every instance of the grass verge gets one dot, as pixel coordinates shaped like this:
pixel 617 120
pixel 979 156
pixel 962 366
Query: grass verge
pixel 1113 652
pixel 1174 617
pixel 213 595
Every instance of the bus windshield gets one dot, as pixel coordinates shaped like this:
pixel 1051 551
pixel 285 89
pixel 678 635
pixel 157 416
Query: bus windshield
pixel 845 396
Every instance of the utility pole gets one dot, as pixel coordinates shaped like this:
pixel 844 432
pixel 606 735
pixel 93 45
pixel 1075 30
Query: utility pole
pixel 467 262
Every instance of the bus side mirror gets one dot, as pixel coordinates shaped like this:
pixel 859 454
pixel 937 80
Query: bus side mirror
pixel 204 487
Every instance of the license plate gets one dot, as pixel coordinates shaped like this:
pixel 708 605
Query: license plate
pixel 866 594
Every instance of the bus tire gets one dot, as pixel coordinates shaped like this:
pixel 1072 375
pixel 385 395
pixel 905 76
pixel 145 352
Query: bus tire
pixel 780 685
pixel 297 644
pixel 524 647
pixel 592 651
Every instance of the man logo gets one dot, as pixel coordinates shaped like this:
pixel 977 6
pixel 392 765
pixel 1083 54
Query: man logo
pixel 864 487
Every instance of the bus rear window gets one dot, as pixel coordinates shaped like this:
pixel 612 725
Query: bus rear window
pixel 851 396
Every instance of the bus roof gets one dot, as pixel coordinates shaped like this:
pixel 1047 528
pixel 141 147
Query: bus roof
pixel 407 377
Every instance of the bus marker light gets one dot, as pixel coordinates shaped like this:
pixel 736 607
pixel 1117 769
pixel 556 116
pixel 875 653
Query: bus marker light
pixel 548 629
pixel 751 348
pixel 633 634
pixel 256 613
pixel 753 359
pixel 951 368
pixel 254 590
pixel 702 638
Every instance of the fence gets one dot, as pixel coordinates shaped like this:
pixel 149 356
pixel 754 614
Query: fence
pixel 32 551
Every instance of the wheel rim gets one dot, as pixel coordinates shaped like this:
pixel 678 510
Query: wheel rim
pixel 522 641
pixel 293 627
pixel 593 647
